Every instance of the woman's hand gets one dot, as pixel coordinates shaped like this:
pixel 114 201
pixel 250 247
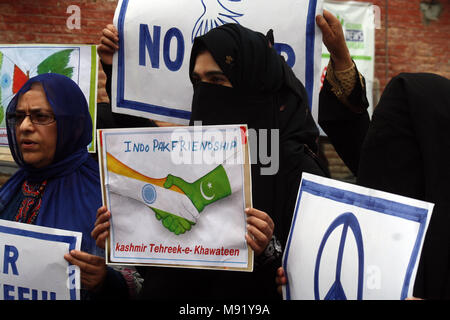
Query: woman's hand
pixel 109 44
pixel 280 279
pixel 260 229
pixel 101 227
pixel 334 39
pixel 93 268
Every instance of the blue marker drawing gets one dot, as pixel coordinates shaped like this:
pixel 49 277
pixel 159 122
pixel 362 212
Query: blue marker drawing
pixel 378 204
pixel 214 14
pixel 336 292
pixel 149 193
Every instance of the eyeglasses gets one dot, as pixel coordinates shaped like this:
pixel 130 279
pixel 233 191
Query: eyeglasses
pixel 36 117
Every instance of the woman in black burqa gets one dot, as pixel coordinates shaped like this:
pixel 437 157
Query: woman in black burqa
pixel 262 92
pixel 405 150
pixel 265 94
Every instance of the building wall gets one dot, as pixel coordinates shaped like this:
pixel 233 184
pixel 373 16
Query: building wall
pixel 404 43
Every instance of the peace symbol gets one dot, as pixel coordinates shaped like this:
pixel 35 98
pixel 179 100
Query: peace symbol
pixel 336 292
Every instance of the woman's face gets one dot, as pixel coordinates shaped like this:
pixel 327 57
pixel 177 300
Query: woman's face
pixel 37 142
pixel 207 70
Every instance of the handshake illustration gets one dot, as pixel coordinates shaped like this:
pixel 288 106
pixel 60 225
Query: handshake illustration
pixel 176 202
pixel 202 192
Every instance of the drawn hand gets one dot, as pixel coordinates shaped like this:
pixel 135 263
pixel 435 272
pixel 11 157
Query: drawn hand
pixel 173 223
pixel 188 189
pixel 208 189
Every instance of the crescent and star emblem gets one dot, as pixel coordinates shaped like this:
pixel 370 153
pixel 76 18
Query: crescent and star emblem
pixel 203 194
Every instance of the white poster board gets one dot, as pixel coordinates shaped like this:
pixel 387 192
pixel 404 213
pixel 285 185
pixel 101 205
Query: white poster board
pixel 177 196
pixel 33 265
pixel 151 68
pixel 358 23
pixel 19 62
pixel 355 243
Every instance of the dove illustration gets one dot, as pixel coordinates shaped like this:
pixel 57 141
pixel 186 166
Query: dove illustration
pixel 214 14
pixel 12 77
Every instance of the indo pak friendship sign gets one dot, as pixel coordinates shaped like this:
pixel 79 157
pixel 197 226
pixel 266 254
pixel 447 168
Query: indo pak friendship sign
pixel 33 265
pixel 151 67
pixel 350 242
pixel 177 196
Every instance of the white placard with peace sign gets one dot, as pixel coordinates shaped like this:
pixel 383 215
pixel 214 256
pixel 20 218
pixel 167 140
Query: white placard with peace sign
pixel 355 243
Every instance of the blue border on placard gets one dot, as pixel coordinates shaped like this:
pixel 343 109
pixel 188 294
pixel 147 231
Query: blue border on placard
pixel 71 240
pixel 182 114
pixel 136 105
pixel 309 48
pixel 380 205
pixel 149 259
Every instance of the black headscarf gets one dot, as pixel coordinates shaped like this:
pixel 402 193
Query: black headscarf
pixel 262 84
pixel 406 151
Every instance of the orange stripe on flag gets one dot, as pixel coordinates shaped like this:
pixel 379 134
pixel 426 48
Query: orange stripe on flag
pixel 118 167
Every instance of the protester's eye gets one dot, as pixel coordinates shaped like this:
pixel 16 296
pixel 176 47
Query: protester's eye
pixel 18 116
pixel 218 80
pixel 41 116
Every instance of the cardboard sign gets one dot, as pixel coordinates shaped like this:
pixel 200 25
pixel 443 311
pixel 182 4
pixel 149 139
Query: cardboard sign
pixel 350 242
pixel 33 264
pixel 151 67
pixel 18 63
pixel 177 196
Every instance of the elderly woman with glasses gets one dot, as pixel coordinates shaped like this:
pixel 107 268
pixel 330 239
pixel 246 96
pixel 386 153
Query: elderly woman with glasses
pixel 49 128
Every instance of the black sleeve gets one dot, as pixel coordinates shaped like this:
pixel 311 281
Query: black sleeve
pixel 114 287
pixel 107 68
pixel 346 129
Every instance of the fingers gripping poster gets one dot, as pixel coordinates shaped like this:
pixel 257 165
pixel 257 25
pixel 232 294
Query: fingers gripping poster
pixel 353 243
pixel 151 67
pixel 177 196
pixel 18 63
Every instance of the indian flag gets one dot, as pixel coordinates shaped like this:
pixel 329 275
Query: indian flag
pixel 127 182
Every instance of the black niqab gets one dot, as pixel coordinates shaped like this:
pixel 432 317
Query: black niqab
pixel 262 84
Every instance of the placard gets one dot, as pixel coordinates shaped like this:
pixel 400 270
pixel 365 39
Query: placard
pixel 177 196
pixel 19 62
pixel 355 243
pixel 151 68
pixel 33 264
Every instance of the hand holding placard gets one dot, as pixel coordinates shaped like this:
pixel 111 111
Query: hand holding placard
pixel 208 189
